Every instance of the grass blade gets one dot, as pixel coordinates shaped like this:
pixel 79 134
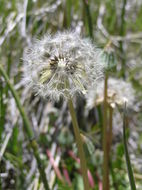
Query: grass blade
pixel 128 162
pixel 89 18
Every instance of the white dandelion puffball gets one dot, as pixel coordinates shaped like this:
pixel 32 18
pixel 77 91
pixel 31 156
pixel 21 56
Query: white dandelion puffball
pixel 118 92
pixel 62 65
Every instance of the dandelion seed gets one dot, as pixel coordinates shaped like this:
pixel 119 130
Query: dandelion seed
pixel 118 93
pixel 62 65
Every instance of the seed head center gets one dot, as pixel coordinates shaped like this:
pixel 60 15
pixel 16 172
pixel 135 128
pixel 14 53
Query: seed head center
pixel 62 63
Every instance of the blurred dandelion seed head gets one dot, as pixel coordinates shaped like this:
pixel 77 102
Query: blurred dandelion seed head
pixel 62 65
pixel 118 92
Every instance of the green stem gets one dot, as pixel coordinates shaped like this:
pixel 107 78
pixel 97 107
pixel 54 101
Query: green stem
pixel 110 129
pixel 0 183
pixel 105 140
pixel 122 32
pixel 0 177
pixel 89 18
pixel 67 14
pixel 79 145
pixel 122 29
pixel 27 129
pixel 109 139
pixel 128 162
pixel 1 110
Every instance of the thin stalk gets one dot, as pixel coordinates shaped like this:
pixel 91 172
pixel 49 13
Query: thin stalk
pixel 89 18
pixel 122 28
pixel 8 72
pixel 2 109
pixel 27 128
pixel 0 182
pixel 110 129
pixel 105 140
pixel 128 162
pixel 79 145
pixel 109 142
pixel 122 32
pixel 67 14
pixel 4 145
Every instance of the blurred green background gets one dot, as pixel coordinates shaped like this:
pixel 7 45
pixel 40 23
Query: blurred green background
pixel 118 22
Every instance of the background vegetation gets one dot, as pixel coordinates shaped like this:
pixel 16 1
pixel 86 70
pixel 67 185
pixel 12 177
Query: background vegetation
pixel 117 22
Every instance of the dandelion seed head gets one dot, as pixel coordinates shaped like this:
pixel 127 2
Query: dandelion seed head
pixel 62 65
pixel 118 92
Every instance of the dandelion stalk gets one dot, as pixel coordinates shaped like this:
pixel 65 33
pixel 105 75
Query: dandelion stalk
pixel 79 145
pixel 110 129
pixel 105 132
pixel 109 140
pixel 27 128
